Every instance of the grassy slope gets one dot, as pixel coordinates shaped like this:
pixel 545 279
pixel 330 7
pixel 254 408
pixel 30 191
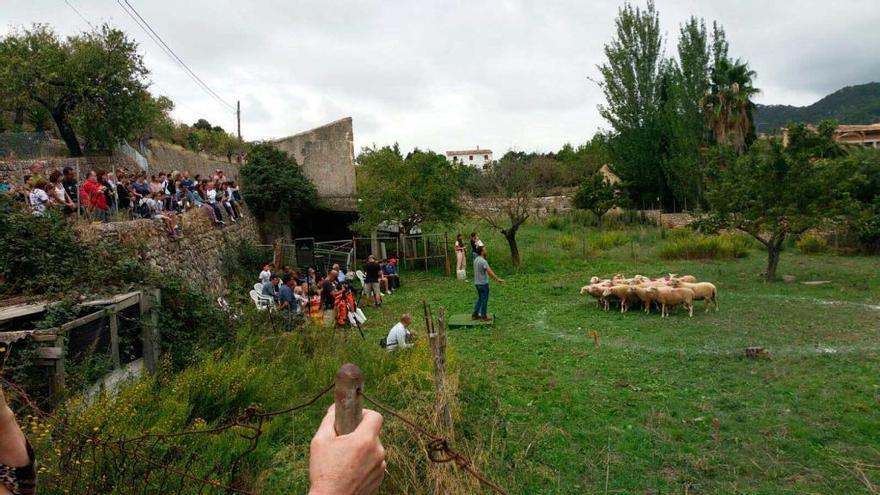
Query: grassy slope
pixel 546 411
pixel 554 412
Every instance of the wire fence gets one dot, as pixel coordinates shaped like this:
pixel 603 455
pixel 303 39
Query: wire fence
pixel 165 462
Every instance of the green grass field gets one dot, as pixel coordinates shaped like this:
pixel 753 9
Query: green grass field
pixel 555 413
pixel 540 408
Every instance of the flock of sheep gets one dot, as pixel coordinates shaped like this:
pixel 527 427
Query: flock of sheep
pixel 665 293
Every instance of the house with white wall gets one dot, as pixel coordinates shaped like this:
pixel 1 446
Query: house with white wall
pixel 477 158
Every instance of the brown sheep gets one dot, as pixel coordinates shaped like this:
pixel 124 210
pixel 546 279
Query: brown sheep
pixel 621 292
pixel 704 291
pixel 641 293
pixel 670 297
pixel 595 291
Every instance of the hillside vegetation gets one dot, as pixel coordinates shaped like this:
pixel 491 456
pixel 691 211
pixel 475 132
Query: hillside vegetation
pixel 858 104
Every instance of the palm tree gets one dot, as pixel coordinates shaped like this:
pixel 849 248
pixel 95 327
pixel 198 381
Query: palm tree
pixel 728 105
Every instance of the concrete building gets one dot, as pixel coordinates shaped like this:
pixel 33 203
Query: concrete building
pixel 326 155
pixel 476 158
pixel 865 135
pixel 861 135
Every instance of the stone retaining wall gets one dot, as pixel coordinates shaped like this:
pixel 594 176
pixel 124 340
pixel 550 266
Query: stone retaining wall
pixel 167 158
pixel 196 257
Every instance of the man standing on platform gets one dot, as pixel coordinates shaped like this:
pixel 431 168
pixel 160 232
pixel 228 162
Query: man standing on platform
pixel 482 272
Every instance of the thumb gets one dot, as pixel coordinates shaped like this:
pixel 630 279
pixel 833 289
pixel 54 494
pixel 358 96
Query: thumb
pixel 327 429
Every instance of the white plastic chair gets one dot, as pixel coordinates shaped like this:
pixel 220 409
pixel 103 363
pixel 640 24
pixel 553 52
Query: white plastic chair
pixel 363 279
pixel 262 302
pixel 258 287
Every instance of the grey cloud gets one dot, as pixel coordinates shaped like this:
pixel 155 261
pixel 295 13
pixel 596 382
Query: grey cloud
pixel 498 73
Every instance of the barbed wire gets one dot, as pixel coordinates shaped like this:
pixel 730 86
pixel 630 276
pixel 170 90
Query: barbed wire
pixel 108 471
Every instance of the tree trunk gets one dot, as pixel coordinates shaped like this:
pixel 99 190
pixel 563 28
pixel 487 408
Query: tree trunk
pixel 774 249
pixel 510 235
pixel 65 129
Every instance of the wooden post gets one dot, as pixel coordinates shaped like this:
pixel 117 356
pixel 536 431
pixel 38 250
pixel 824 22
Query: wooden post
pixel 425 244
pixel 150 301
pixel 277 259
pixel 446 253
pixel 348 398
pixel 354 249
pixel 56 384
pixel 114 338
pixel 438 348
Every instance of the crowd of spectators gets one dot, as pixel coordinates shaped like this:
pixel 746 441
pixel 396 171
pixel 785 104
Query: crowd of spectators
pixel 125 194
pixel 327 299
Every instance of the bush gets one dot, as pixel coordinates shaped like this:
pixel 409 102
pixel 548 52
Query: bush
pixel 683 244
pixel 567 242
pixel 554 223
pixel 811 243
pixel 42 255
pixel 610 239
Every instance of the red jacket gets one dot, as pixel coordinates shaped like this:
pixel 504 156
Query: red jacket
pixel 91 195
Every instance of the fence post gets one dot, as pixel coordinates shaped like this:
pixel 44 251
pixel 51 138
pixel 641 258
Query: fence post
pixel 150 301
pixel 348 398
pixel 438 349
pixel 276 254
pixel 56 383
pixel 446 252
pixel 114 338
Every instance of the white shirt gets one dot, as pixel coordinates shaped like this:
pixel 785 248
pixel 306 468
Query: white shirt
pixel 397 337
pixel 39 198
pixel 212 196
pixel 265 276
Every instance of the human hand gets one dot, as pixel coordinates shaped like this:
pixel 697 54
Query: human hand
pixel 352 464
pixel 500 280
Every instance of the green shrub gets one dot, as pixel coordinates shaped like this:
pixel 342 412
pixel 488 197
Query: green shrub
pixel 811 242
pixel 567 242
pixel 691 246
pixel 610 239
pixel 583 218
pixel 554 223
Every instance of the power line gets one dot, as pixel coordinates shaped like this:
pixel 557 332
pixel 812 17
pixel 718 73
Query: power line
pixel 80 15
pixel 144 25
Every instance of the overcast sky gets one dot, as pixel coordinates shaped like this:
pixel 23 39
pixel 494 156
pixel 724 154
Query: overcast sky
pixel 451 75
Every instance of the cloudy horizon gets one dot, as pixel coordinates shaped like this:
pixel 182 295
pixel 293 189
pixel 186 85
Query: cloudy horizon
pixel 450 75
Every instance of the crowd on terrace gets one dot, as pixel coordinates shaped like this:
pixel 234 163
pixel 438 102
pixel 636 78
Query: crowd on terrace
pixel 123 194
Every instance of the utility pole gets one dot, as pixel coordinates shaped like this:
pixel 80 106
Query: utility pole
pixel 238 125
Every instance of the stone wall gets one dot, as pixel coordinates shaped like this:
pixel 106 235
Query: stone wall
pixel 326 155
pixel 196 257
pixel 16 169
pixel 162 157
pixel 551 205
pixel 166 157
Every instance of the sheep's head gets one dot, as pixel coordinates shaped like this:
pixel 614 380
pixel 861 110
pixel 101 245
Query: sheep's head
pixel 674 282
pixel 594 280
pixel 606 292
pixel 585 289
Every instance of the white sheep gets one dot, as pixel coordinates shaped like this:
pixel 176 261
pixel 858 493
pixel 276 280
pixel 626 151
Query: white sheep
pixel 704 291
pixel 669 297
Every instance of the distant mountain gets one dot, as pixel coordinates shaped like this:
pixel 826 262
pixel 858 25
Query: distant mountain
pixel 850 105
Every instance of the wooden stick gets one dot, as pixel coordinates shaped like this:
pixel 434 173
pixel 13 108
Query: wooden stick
pixel 349 400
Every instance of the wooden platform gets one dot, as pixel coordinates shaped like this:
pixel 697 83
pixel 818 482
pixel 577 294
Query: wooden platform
pixel 464 320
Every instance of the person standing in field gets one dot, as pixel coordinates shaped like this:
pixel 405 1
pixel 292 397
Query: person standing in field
pixel 476 244
pixel 482 272
pixel 459 255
